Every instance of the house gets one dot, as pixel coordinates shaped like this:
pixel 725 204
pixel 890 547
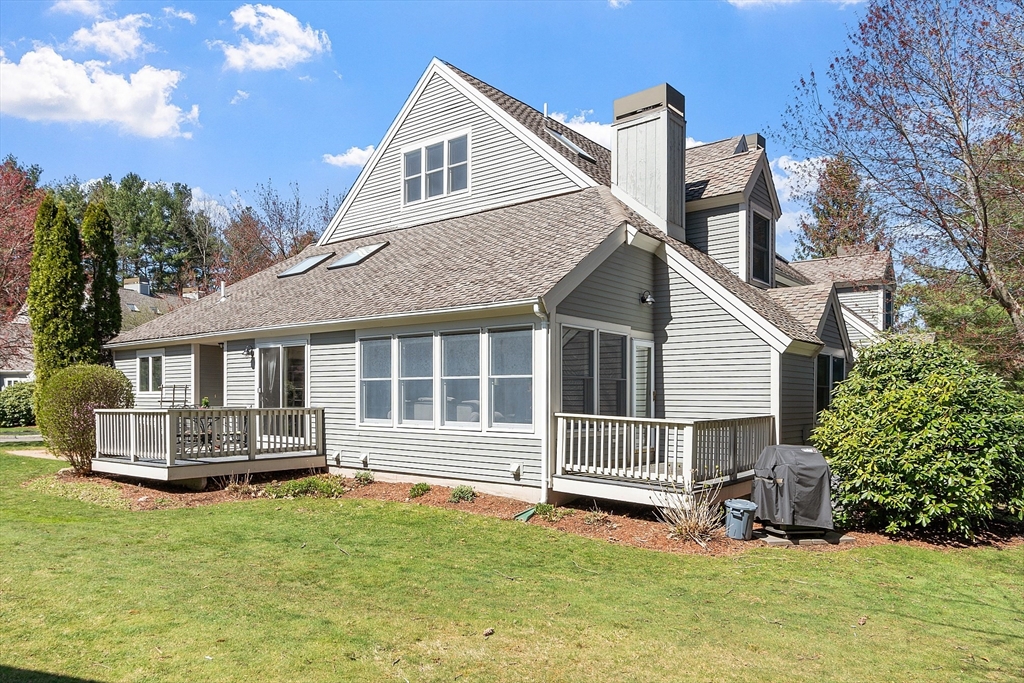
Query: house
pixel 16 351
pixel 502 302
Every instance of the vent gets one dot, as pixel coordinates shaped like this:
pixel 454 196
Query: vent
pixel 571 145
pixel 358 256
pixel 305 265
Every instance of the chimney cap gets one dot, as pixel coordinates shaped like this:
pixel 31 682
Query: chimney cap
pixel 660 96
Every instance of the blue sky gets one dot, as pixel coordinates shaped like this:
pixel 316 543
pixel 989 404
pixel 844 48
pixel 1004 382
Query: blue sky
pixel 225 95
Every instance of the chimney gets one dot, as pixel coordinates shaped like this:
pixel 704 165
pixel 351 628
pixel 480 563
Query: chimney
pixel 190 293
pixel 649 156
pixel 137 284
pixel 754 141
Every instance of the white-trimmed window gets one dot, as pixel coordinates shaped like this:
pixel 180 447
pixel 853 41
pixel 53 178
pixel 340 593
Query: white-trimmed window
pixel 151 370
pixel 460 379
pixel 613 397
pixel 831 370
pixel 435 169
pixel 760 249
pixel 375 380
pixel 416 380
pixel 577 370
pixel 511 376
pixel 598 370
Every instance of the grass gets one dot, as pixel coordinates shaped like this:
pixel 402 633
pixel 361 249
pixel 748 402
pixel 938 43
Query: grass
pixel 19 430
pixel 345 589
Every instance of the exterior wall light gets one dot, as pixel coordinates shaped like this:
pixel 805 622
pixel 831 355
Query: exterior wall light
pixel 646 298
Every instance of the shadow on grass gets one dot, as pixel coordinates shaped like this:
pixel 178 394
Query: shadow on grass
pixel 11 674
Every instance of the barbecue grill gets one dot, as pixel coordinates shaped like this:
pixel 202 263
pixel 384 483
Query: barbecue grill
pixel 792 486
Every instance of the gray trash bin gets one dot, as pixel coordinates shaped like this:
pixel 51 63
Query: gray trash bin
pixel 739 519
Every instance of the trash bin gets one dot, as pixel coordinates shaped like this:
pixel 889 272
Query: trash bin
pixel 739 519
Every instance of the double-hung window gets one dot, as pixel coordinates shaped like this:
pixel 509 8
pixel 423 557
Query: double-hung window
pixel 460 378
pixel 760 267
pixel 434 170
pixel 375 380
pixel 511 377
pixel 831 371
pixel 886 309
pixel 416 380
pixel 151 371
pixel 577 371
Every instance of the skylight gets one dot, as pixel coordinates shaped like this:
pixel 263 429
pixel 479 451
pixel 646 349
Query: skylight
pixel 571 145
pixel 305 265
pixel 358 256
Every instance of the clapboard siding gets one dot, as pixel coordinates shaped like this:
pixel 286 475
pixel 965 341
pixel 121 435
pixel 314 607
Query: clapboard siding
pixel 708 364
pixel 211 375
pixel 472 456
pixel 240 383
pixel 830 334
pixel 126 363
pixel 177 373
pixel 760 193
pixel 796 404
pixel 716 232
pixel 865 303
pixel 612 292
pixel 503 168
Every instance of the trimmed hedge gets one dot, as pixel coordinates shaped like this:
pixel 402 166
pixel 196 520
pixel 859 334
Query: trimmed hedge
pixel 16 405
pixel 921 435
pixel 66 404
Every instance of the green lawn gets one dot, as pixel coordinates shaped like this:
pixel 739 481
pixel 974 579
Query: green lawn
pixel 19 430
pixel 337 590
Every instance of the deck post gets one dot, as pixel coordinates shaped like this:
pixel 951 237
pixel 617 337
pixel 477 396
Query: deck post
pixel 133 431
pixel 321 432
pixel 251 431
pixel 559 447
pixel 733 451
pixel 689 449
pixel 169 435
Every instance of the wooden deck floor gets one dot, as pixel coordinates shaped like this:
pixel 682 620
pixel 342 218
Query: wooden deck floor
pixel 209 467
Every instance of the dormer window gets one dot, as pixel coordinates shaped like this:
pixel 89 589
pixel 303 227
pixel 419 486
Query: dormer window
pixel 436 169
pixel 760 267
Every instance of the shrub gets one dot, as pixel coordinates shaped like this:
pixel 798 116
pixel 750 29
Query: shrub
pixel 364 477
pixel 66 404
pixel 920 435
pixel 16 405
pixel 320 486
pixel 462 494
pixel 691 514
pixel 420 489
pixel 550 513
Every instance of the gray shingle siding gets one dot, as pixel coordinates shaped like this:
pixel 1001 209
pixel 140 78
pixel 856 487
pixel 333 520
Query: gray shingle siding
pixel 612 292
pixel 716 232
pixel 503 168
pixel 709 365
pixel 240 383
pixel 796 403
pixel 448 454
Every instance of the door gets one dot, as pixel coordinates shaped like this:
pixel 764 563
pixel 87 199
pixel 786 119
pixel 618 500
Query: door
pixel 643 378
pixel 270 377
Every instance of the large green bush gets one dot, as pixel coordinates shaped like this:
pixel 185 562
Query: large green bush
pixel 67 402
pixel 16 405
pixel 921 435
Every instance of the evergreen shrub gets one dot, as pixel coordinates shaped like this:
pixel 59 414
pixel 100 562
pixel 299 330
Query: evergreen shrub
pixel 16 405
pixel 921 435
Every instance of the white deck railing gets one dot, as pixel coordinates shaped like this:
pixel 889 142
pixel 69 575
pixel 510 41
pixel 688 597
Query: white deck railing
pixel 171 435
pixel 661 451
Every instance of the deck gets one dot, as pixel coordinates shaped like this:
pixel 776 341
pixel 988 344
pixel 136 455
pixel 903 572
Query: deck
pixel 176 444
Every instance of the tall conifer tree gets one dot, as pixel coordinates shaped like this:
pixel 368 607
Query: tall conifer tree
pixel 842 213
pixel 56 292
pixel 104 306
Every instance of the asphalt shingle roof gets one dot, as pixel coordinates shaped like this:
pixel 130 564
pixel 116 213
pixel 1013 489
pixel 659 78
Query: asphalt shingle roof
pixel 721 176
pixel 783 268
pixel 856 269
pixel 806 304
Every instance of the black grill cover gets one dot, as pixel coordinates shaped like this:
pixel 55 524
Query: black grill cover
pixel 792 486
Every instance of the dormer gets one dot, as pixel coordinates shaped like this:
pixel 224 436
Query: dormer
pixel 732 207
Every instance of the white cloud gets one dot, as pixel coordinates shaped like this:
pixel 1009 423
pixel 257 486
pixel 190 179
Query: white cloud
pixel 44 86
pixel 601 133
pixel 618 4
pixel 90 8
pixel 353 157
pixel 211 206
pixel 279 40
pixel 794 177
pixel 115 38
pixel 180 14
pixel 239 96
pixel 690 142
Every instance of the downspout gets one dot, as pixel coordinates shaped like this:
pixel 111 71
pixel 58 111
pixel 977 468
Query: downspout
pixel 540 310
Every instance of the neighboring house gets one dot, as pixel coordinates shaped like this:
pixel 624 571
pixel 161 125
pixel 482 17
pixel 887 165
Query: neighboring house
pixel 503 302
pixel 16 352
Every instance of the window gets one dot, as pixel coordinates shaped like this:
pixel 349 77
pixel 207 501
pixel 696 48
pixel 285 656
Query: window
pixel 416 380
pixel 761 248
pixel 435 170
pixel 375 380
pixel 306 265
pixel 831 371
pixel 151 371
pixel 577 371
pixel 357 256
pixel 612 373
pixel 133 308
pixel 571 145
pixel 460 378
pixel 511 377
pixel 886 309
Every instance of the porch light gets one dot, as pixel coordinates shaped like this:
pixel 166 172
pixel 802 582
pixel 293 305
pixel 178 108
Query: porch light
pixel 249 351
pixel 646 298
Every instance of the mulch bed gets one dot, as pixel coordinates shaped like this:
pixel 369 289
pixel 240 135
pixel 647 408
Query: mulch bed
pixel 619 523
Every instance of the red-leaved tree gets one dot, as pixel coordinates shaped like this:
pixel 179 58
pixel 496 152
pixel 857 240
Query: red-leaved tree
pixel 20 197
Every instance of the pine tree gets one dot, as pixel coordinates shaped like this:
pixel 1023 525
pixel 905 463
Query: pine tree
pixel 56 289
pixel 842 213
pixel 103 309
